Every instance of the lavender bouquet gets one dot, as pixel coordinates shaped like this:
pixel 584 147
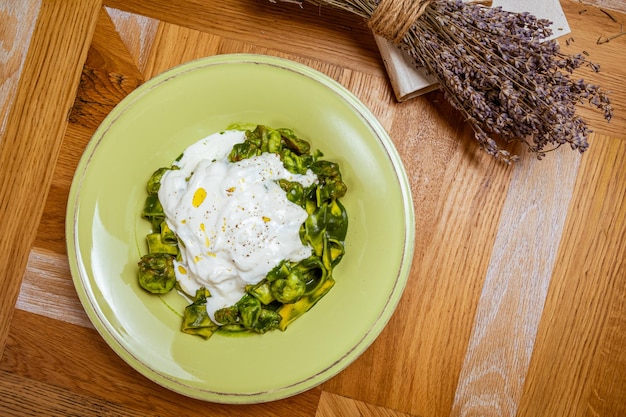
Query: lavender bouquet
pixel 495 67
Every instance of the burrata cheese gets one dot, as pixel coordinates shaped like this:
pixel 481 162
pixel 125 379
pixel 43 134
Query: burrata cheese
pixel 234 223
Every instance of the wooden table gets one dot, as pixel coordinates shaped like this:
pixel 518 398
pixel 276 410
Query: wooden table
pixel 516 302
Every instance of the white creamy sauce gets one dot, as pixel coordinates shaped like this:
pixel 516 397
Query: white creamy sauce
pixel 233 221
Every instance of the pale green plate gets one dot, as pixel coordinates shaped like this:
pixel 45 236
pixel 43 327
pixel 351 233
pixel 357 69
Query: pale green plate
pixel 151 127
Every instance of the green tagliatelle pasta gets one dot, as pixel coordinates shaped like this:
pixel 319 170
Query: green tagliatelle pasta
pixel 291 288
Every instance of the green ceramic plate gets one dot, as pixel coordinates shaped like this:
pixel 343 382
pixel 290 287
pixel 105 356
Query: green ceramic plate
pixel 151 127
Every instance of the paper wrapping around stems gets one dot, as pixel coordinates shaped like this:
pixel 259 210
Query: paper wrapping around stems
pixel 409 80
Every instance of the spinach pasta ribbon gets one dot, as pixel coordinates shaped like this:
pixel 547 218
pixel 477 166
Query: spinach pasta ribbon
pixel 291 288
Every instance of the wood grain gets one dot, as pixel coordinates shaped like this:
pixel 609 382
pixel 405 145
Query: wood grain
pixel 109 74
pixel 584 40
pixel 47 289
pixel 77 360
pixel 22 396
pixel 574 347
pixel 336 406
pixel 499 317
pixel 45 94
pixel 618 5
pixel 338 37
pixel 137 32
pixel 50 236
pixel 515 288
pixel 18 21
pixel 166 50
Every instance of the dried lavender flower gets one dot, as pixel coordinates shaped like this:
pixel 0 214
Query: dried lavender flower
pixel 498 69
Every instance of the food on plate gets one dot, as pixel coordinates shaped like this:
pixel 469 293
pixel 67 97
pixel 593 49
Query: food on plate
pixel 248 225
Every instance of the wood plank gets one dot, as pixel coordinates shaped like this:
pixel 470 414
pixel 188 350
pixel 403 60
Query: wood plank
pixel 109 75
pixel 77 359
pixel 516 285
pixel 340 38
pixel 574 371
pixel 336 72
pixel 36 123
pixel 585 33
pixel 23 397
pixel 608 375
pixel 48 290
pixel 107 51
pixel 336 406
pixel 137 32
pixel 18 22
pixel 174 44
pixel 51 230
pixel 618 5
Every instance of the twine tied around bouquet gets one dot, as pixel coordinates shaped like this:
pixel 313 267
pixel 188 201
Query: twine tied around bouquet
pixel 392 19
